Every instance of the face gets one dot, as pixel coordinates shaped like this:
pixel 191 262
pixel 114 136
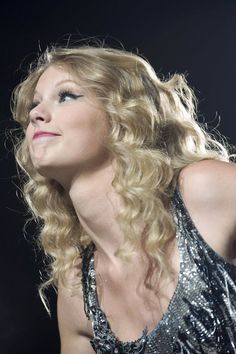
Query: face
pixel 67 129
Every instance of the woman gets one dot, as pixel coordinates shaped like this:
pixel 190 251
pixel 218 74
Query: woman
pixel 136 205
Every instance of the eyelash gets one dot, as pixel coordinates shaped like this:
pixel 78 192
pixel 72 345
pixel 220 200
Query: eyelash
pixel 32 106
pixel 61 95
pixel 68 93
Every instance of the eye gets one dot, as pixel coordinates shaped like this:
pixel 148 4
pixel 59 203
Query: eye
pixel 67 95
pixel 32 105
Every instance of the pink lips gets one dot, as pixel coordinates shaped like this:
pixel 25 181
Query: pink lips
pixel 42 133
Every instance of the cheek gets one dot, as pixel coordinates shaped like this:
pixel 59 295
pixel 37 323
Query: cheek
pixel 28 137
pixel 28 132
pixel 88 125
pixel 86 141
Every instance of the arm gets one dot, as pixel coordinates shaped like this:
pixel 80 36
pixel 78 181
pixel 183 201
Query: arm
pixel 74 327
pixel 209 191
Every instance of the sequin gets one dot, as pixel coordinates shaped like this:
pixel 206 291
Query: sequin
pixel 201 316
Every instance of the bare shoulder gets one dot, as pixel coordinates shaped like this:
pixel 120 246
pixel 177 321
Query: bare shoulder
pixel 208 179
pixel 74 327
pixel 208 189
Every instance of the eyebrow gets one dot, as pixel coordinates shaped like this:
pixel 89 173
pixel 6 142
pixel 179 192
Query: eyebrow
pixel 61 83
pixel 65 81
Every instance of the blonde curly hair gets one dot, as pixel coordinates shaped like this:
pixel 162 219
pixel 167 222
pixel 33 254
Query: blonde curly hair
pixel 153 134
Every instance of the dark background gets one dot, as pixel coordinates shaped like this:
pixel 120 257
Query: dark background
pixel 194 37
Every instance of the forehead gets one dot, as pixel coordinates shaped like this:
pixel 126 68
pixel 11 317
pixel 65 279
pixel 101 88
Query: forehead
pixel 54 76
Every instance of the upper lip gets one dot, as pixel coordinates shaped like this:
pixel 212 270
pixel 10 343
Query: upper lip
pixel 41 132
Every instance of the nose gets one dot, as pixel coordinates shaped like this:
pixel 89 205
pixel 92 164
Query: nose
pixel 40 113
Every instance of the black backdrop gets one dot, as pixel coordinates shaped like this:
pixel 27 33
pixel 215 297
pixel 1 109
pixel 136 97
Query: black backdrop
pixel 194 37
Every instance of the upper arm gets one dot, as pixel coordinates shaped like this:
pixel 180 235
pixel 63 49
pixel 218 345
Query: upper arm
pixel 74 327
pixel 208 188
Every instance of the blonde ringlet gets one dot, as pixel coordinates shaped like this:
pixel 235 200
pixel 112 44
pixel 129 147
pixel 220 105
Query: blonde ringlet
pixel 153 134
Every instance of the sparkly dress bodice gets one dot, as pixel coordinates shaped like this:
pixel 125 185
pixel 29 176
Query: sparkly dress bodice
pixel 201 316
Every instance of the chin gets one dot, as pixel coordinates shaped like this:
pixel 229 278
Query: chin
pixel 55 173
pixel 45 170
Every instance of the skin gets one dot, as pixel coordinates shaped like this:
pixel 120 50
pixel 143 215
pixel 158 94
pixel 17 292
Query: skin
pixel 61 106
pixel 77 158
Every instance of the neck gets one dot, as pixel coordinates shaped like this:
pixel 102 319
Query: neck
pixel 97 204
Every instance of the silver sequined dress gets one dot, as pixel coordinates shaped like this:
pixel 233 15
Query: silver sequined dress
pixel 201 316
